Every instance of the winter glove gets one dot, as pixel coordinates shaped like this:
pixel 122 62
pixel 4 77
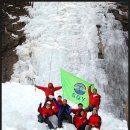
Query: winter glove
pixel 99 123
pixel 35 85
pixel 54 99
pixel 91 85
pixel 40 104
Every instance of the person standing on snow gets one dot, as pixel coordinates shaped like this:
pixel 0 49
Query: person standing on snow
pixel 49 91
pixel 94 120
pixel 45 113
pixel 94 99
pixel 64 112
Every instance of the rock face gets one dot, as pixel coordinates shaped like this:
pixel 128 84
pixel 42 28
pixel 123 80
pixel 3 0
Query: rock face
pixel 117 73
pixel 12 35
pixel 123 18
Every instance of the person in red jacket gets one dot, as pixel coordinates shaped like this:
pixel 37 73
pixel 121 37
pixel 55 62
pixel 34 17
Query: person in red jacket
pixel 94 99
pixel 45 112
pixel 81 120
pixel 48 91
pixel 94 120
pixel 77 116
pixel 77 111
pixel 54 106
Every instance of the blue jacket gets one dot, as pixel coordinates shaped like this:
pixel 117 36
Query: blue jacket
pixel 61 109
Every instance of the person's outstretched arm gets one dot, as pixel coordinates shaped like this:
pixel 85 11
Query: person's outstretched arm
pixel 89 90
pixel 74 110
pixel 41 87
pixel 57 88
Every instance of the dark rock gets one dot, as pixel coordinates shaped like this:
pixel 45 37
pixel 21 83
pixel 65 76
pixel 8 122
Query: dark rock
pixel 123 7
pixel 19 33
pixel 8 42
pixel 8 60
pixel 12 36
pixel 122 18
pixel 15 26
pixel 126 110
pixel 21 39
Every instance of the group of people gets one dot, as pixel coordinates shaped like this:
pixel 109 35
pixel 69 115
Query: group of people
pixel 62 110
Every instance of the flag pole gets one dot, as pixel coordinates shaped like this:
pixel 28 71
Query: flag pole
pixel 34 83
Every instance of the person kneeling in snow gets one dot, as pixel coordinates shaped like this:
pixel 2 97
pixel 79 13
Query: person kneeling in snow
pixel 80 117
pixel 48 91
pixel 45 112
pixel 94 99
pixel 94 120
pixel 64 112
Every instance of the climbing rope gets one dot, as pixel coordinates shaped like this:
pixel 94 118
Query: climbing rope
pixel 53 51
pixel 50 65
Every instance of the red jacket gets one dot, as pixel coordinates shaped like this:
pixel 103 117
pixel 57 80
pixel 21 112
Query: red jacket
pixel 76 111
pixel 48 91
pixel 94 100
pixel 45 111
pixel 54 106
pixel 95 120
pixel 79 120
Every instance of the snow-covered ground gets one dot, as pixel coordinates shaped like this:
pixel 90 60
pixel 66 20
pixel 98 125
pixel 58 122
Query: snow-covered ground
pixel 19 110
pixel 59 35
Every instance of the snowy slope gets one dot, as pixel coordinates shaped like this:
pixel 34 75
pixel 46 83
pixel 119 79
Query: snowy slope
pixel 19 110
pixel 60 35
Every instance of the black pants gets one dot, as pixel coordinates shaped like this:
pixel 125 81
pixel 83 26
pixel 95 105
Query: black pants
pixel 64 117
pixel 46 120
pixel 82 127
pixel 40 118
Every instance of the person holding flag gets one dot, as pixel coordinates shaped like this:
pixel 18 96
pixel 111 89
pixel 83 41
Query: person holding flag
pixel 94 99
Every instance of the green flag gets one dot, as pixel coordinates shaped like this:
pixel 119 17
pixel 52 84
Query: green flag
pixel 74 88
